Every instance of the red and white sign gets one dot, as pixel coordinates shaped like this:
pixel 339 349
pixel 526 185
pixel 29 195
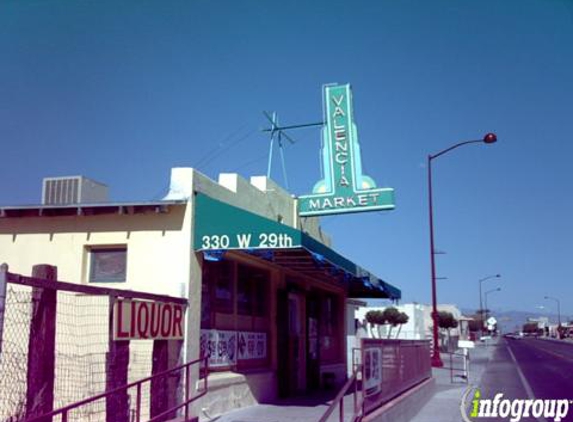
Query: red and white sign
pixel 137 320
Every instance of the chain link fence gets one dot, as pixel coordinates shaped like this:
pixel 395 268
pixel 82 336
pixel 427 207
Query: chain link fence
pixel 14 356
pixel 82 345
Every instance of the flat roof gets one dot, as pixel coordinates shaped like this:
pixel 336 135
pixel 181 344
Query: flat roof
pixel 51 210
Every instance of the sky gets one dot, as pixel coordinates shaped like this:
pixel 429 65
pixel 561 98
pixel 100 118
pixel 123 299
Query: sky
pixel 121 92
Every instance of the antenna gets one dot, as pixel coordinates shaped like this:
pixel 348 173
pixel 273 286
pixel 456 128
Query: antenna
pixel 280 133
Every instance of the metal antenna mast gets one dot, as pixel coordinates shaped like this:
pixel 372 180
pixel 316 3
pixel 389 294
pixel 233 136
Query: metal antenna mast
pixel 280 132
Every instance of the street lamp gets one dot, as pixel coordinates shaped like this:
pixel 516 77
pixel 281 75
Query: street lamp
pixel 490 138
pixel 481 310
pixel 486 308
pixel 558 308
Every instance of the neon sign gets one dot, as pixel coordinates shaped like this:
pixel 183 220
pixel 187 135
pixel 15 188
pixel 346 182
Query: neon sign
pixel 344 188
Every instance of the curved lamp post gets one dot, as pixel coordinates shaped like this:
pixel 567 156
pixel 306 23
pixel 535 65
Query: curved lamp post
pixel 481 280
pixel 490 138
pixel 558 308
pixel 486 293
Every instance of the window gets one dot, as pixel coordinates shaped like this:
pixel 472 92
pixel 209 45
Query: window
pixel 205 304
pixel 252 291
pixel 108 265
pixel 218 276
pixel 331 331
pixel 329 314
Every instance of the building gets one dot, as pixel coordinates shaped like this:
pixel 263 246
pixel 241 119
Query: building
pixel 414 329
pixel 267 293
pixel 419 325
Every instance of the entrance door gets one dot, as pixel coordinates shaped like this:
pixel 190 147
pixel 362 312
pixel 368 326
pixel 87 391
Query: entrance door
pixel 283 369
pixel 312 341
pixel 296 343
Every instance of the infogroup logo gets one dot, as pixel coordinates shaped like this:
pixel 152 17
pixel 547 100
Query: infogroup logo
pixel 474 407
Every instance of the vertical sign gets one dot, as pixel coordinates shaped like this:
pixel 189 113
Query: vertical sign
pixel 372 370
pixel 344 188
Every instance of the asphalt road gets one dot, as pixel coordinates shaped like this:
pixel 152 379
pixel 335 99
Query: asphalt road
pixel 530 369
pixel 547 366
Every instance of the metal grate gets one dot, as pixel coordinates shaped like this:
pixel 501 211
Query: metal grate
pixel 61 191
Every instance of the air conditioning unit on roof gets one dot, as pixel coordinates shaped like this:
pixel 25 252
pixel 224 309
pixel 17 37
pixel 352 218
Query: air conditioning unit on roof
pixel 73 190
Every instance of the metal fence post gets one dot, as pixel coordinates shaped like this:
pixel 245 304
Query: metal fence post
pixel 159 388
pixel 3 288
pixel 117 370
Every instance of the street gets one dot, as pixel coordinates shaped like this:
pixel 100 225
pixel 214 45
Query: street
pixel 530 368
pixel 547 366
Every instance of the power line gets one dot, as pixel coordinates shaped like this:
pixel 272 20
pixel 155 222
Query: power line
pixel 222 147
pixel 248 163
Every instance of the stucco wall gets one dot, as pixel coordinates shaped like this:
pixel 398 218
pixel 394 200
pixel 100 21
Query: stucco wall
pixel 161 257
pixel 158 246
pixel 260 196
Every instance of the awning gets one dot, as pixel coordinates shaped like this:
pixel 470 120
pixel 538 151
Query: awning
pixel 221 227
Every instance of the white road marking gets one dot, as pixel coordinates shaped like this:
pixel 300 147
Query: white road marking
pixel 526 385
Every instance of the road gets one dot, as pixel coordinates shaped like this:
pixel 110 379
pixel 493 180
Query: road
pixel 530 368
pixel 547 366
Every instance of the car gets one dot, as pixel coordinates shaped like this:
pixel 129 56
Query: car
pixel 513 336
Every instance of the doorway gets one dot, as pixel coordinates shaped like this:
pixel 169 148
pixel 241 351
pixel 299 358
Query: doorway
pixel 296 343
pixel 291 343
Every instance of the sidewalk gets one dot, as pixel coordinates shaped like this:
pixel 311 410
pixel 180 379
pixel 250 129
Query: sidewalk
pixel 301 409
pixel 444 406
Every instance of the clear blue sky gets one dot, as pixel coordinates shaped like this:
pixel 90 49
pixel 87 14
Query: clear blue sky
pixel 123 91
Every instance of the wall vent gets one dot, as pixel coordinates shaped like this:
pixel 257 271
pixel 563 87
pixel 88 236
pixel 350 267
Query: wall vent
pixel 72 190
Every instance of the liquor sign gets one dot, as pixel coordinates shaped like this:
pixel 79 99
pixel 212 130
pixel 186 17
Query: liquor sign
pixel 344 188
pixel 139 320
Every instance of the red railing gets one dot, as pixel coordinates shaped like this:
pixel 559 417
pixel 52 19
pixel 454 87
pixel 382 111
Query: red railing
pixel 338 401
pixel 391 367
pixel 387 369
pixel 203 374
pixel 458 365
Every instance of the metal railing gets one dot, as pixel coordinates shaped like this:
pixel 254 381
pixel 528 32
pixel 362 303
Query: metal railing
pixel 386 369
pixel 458 365
pixel 338 401
pixel 203 374
pixel 392 367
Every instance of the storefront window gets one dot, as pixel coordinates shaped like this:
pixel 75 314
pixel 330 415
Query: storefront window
pixel 329 315
pixel 205 304
pixel 252 291
pixel 240 338
pixel 330 333
pixel 219 277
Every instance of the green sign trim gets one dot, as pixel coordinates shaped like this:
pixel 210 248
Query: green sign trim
pixel 344 188
pixel 223 226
